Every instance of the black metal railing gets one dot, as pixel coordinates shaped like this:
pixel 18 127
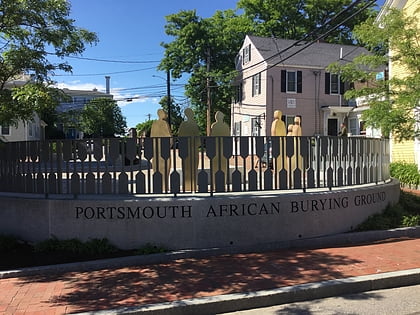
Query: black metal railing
pixel 184 165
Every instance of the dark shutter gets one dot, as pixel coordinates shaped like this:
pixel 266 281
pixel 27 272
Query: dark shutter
pixel 299 81
pixel 342 89
pixel 259 83
pixel 327 83
pixel 249 52
pixel 253 85
pixel 283 80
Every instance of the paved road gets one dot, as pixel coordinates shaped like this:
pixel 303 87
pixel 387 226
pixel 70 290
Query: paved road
pixel 401 301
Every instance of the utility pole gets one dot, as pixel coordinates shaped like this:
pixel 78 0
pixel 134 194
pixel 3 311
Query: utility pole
pixel 168 94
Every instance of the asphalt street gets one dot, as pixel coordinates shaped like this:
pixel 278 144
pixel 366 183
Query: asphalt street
pixel 401 301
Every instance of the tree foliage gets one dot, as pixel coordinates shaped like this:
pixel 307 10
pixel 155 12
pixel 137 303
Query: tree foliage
pixel 176 115
pixel 295 19
pixel 205 48
pixel 31 31
pixel 393 103
pixel 102 117
pixel 144 128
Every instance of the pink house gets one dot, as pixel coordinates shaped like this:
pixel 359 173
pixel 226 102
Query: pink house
pixel 290 76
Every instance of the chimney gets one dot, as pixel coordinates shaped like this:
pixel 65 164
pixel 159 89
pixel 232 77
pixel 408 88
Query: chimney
pixel 108 90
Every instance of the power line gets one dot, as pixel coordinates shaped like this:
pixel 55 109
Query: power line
pixel 307 35
pixel 100 74
pixel 312 33
pixel 113 60
pixel 308 44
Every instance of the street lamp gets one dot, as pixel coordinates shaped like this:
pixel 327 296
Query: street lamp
pixel 168 93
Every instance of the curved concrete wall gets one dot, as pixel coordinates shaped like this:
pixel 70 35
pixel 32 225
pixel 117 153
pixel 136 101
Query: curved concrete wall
pixel 196 222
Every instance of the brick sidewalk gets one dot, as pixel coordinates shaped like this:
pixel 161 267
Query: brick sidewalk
pixel 187 278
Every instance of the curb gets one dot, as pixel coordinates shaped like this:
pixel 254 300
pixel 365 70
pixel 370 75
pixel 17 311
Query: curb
pixel 265 298
pixel 311 243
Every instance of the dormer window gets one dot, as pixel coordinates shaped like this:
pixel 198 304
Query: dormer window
pixel 246 53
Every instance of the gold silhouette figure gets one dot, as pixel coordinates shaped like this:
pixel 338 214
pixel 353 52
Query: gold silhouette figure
pixel 219 129
pixel 189 128
pixel 278 129
pixel 160 128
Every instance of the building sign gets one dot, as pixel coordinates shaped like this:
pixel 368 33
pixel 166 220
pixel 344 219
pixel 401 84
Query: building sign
pixel 234 209
pixel 291 103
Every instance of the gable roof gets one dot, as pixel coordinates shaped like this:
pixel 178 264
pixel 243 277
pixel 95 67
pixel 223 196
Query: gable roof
pixel 318 55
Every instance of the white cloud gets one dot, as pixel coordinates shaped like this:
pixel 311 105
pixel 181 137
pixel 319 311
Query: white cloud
pixel 77 85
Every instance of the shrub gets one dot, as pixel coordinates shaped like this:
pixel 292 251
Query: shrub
pixel 407 173
pixel 92 247
pixel 150 249
pixel 8 243
pixel 403 214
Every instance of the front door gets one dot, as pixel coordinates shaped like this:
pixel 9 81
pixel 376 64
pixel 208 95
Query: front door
pixel 332 126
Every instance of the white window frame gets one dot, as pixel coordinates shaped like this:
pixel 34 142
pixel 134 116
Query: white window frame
pixel 256 84
pixel 334 82
pixel 289 82
pixel 246 52
pixel 237 128
pixel 353 122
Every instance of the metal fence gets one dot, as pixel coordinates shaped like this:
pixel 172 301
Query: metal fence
pixel 186 165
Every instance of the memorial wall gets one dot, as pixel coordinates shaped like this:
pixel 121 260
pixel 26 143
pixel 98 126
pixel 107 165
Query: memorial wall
pixel 240 219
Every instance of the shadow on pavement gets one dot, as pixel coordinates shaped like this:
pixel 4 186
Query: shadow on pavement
pixel 188 278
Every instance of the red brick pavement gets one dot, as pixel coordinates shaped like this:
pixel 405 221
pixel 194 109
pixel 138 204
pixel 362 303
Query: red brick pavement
pixel 186 278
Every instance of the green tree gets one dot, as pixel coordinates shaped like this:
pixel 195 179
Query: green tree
pixel 393 103
pixel 295 19
pixel 39 98
pixel 205 49
pixel 31 31
pixel 102 117
pixel 144 128
pixel 176 115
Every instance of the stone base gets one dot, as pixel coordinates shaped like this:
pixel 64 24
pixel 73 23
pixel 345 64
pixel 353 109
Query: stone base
pixel 239 219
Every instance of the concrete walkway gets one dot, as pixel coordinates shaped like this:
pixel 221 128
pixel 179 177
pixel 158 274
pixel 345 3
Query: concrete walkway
pixel 213 283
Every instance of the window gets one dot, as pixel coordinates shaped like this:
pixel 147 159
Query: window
pixel 333 84
pixel 353 126
pixel 291 81
pixel 238 93
pixel 288 120
pixel 256 84
pixel 237 128
pixel 256 126
pixel 30 127
pixel 5 130
pixel 246 53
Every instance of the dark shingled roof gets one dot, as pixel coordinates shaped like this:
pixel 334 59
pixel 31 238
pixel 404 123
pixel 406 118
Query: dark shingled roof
pixel 318 55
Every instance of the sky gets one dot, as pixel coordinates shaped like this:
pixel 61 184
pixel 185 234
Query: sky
pixel 130 34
